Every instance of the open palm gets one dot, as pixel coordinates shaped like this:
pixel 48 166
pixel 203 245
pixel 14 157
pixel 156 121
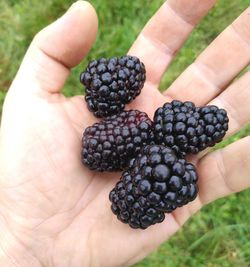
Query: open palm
pixel 56 212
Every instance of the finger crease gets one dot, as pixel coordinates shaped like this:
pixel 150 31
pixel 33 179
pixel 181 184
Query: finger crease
pixel 151 84
pixel 202 69
pixel 180 16
pixel 176 219
pixel 239 36
pixel 222 171
pixel 233 113
pixel 54 58
pixel 159 45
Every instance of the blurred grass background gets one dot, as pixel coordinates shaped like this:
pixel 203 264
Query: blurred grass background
pixel 219 235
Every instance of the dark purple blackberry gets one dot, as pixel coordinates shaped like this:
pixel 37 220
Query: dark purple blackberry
pixel 155 183
pixel 112 83
pixel 189 129
pixel 111 143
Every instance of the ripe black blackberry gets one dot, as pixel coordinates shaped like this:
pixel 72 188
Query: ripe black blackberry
pixel 112 83
pixel 111 143
pixel 155 183
pixel 189 129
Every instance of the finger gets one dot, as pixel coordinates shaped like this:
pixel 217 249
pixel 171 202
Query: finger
pixel 165 33
pixel 226 56
pixel 57 48
pixel 225 171
pixel 235 100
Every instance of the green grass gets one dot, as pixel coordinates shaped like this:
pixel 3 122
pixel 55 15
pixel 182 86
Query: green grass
pixel 219 235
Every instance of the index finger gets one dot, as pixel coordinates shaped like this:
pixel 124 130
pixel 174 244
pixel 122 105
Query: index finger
pixel 165 33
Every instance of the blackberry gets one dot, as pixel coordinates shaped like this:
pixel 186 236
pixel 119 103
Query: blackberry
pixel 111 143
pixel 112 83
pixel 189 129
pixel 156 182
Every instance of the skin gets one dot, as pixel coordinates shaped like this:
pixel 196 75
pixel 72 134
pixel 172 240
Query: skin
pixel 53 210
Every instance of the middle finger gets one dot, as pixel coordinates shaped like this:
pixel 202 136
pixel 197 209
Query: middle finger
pixel 165 33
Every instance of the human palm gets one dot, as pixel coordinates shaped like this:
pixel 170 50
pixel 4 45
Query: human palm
pixel 56 212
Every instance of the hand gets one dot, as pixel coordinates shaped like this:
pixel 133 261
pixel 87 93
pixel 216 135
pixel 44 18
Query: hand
pixel 53 210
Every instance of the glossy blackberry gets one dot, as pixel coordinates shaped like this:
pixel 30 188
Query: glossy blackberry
pixel 155 183
pixel 189 129
pixel 111 143
pixel 112 83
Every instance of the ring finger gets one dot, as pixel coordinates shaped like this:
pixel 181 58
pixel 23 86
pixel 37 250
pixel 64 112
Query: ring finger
pixel 217 66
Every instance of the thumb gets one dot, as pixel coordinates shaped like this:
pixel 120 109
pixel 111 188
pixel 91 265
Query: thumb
pixel 57 48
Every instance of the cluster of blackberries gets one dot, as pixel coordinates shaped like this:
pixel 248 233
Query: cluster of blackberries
pixel 156 178
pixel 112 83
pixel 109 144
pixel 155 182
pixel 189 129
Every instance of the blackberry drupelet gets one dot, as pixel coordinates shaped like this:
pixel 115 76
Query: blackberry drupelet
pixel 189 129
pixel 111 143
pixel 112 83
pixel 156 182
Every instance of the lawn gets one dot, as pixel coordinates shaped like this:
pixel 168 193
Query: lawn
pixel 219 235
